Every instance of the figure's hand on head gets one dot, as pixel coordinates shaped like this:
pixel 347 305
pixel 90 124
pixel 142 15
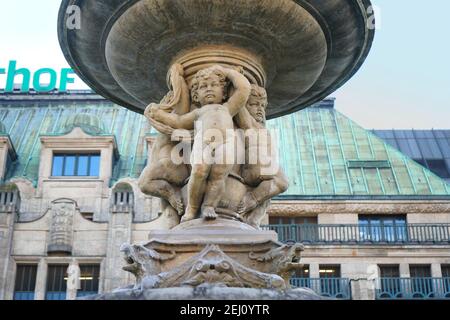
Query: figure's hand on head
pixel 221 69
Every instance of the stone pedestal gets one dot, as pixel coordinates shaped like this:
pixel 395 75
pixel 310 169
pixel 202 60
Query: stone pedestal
pixel 217 259
pixel 218 252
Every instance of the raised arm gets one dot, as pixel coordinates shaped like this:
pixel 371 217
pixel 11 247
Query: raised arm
pixel 244 120
pixel 181 90
pixel 173 120
pixel 242 90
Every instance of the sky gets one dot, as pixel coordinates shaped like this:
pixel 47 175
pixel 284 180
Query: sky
pixel 404 83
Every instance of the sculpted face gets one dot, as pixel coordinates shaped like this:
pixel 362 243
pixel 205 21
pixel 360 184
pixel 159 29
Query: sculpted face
pixel 210 91
pixel 256 106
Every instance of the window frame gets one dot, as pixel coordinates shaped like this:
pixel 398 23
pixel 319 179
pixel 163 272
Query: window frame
pixel 53 281
pixel 89 286
pixel 77 154
pixel 31 282
pixel 383 228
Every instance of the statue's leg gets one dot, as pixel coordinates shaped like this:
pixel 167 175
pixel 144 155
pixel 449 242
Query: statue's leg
pixel 196 189
pixel 215 189
pixel 160 188
pixel 255 216
pixel 266 190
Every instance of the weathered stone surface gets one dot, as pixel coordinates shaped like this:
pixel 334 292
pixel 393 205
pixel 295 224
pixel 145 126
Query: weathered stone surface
pixel 208 292
pixel 221 251
pixel 307 48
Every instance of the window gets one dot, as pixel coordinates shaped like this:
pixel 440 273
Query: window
pixel 292 220
pixel 76 165
pixel 330 280
pixel 300 229
pixel 25 282
pixel 9 199
pixel 420 271
pixel 56 282
pixel 123 198
pixel 390 281
pixel 446 279
pixel 445 271
pixel 390 271
pixel 330 271
pixel 303 272
pixel 89 277
pixel 421 282
pixel 300 278
pixel 382 228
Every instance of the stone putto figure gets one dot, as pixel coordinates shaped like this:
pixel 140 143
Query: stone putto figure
pixel 220 101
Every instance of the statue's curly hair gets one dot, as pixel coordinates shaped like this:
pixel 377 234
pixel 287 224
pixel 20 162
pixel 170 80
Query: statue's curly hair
pixel 206 74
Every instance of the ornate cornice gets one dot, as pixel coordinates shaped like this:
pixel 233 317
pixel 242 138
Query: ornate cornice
pixel 294 207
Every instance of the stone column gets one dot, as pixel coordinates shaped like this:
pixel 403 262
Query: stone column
pixel 314 270
pixel 314 274
pixel 365 286
pixel 41 280
pixel 101 280
pixel 119 232
pixel 404 273
pixel 404 270
pixel 436 271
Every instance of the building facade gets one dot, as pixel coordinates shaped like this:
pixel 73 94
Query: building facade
pixel 375 223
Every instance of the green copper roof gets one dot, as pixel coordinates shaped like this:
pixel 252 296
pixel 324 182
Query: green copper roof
pixel 89 123
pixel 2 129
pixel 26 122
pixel 323 153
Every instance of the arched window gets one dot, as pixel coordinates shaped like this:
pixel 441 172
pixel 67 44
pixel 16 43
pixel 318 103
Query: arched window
pixel 122 198
pixel 9 199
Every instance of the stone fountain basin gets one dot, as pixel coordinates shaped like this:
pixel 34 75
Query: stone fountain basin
pixel 301 50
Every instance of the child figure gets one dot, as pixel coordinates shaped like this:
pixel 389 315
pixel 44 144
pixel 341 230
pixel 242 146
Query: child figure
pixel 209 90
pixel 266 184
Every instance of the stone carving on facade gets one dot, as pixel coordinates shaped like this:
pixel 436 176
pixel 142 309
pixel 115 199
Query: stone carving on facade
pixel 227 184
pixel 284 260
pixel 211 266
pixel 73 280
pixel 61 227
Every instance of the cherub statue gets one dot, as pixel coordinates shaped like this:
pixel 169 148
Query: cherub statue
pixel 215 116
pixel 163 178
pixel 266 184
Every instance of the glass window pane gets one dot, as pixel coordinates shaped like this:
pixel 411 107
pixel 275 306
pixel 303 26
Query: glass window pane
pixel 25 282
pixel 56 282
pixel 445 271
pixel 392 271
pixel 94 166
pixel 82 167
pixel 420 271
pixel 69 166
pixel 89 278
pixel 57 168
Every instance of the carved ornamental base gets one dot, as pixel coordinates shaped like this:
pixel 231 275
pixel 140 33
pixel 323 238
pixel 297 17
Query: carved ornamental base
pixel 218 254
pixel 218 259
pixel 208 292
